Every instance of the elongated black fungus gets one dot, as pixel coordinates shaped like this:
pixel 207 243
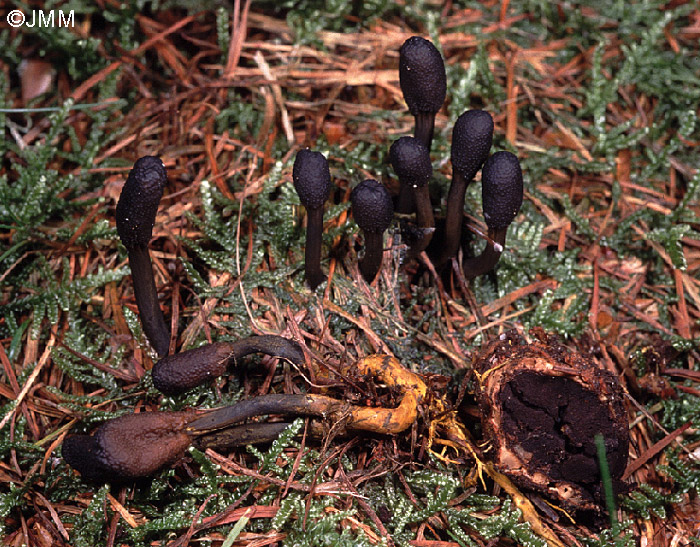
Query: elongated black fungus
pixel 373 211
pixel 136 215
pixel 312 181
pixel 472 136
pixel 502 196
pixel 424 86
pixel 423 83
pixel 188 369
pixel 411 163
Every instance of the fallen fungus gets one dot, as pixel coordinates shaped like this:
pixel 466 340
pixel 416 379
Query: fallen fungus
pixel 472 136
pixel 312 181
pixel 411 163
pixel 502 196
pixel 542 405
pixel 130 446
pixel 136 215
pixel 185 370
pixel 373 212
pixel 138 445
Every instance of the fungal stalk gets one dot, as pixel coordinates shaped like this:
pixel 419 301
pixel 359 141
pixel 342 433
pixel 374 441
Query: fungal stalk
pixel 136 215
pixel 312 181
pixel 373 211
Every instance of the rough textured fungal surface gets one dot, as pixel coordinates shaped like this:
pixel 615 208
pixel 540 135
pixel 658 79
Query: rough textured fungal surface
pixel 138 202
pixel 422 75
pixel 472 136
pixel 542 406
pixel 188 369
pixel 372 207
pixel 312 178
pixel 501 189
pixel 128 447
pixel 411 161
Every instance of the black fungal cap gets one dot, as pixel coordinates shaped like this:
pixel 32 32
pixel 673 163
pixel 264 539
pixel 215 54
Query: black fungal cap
pixel 372 207
pixel 422 75
pixel 138 202
pixel 502 189
pixel 312 178
pixel 411 161
pixel 472 136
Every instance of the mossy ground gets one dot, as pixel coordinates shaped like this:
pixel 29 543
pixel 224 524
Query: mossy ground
pixel 600 102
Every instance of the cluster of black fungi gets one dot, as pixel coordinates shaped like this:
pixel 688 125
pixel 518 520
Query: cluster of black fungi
pixel 424 85
pixel 136 445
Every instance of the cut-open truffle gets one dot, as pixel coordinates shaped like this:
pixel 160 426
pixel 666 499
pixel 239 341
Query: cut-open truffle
pixel 312 181
pixel 373 212
pixel 188 369
pixel 542 406
pixel 411 163
pixel 136 215
pixel 502 196
pixel 472 136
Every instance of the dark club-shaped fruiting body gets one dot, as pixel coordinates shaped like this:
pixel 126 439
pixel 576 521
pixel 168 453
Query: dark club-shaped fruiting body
pixel 502 196
pixel 188 369
pixel 136 215
pixel 424 86
pixel 128 447
pixel 137 445
pixel 312 181
pixel 472 136
pixel 373 212
pixel 423 83
pixel 411 163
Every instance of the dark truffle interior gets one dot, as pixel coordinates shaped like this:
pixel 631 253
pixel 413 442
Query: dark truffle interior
pixel 555 419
